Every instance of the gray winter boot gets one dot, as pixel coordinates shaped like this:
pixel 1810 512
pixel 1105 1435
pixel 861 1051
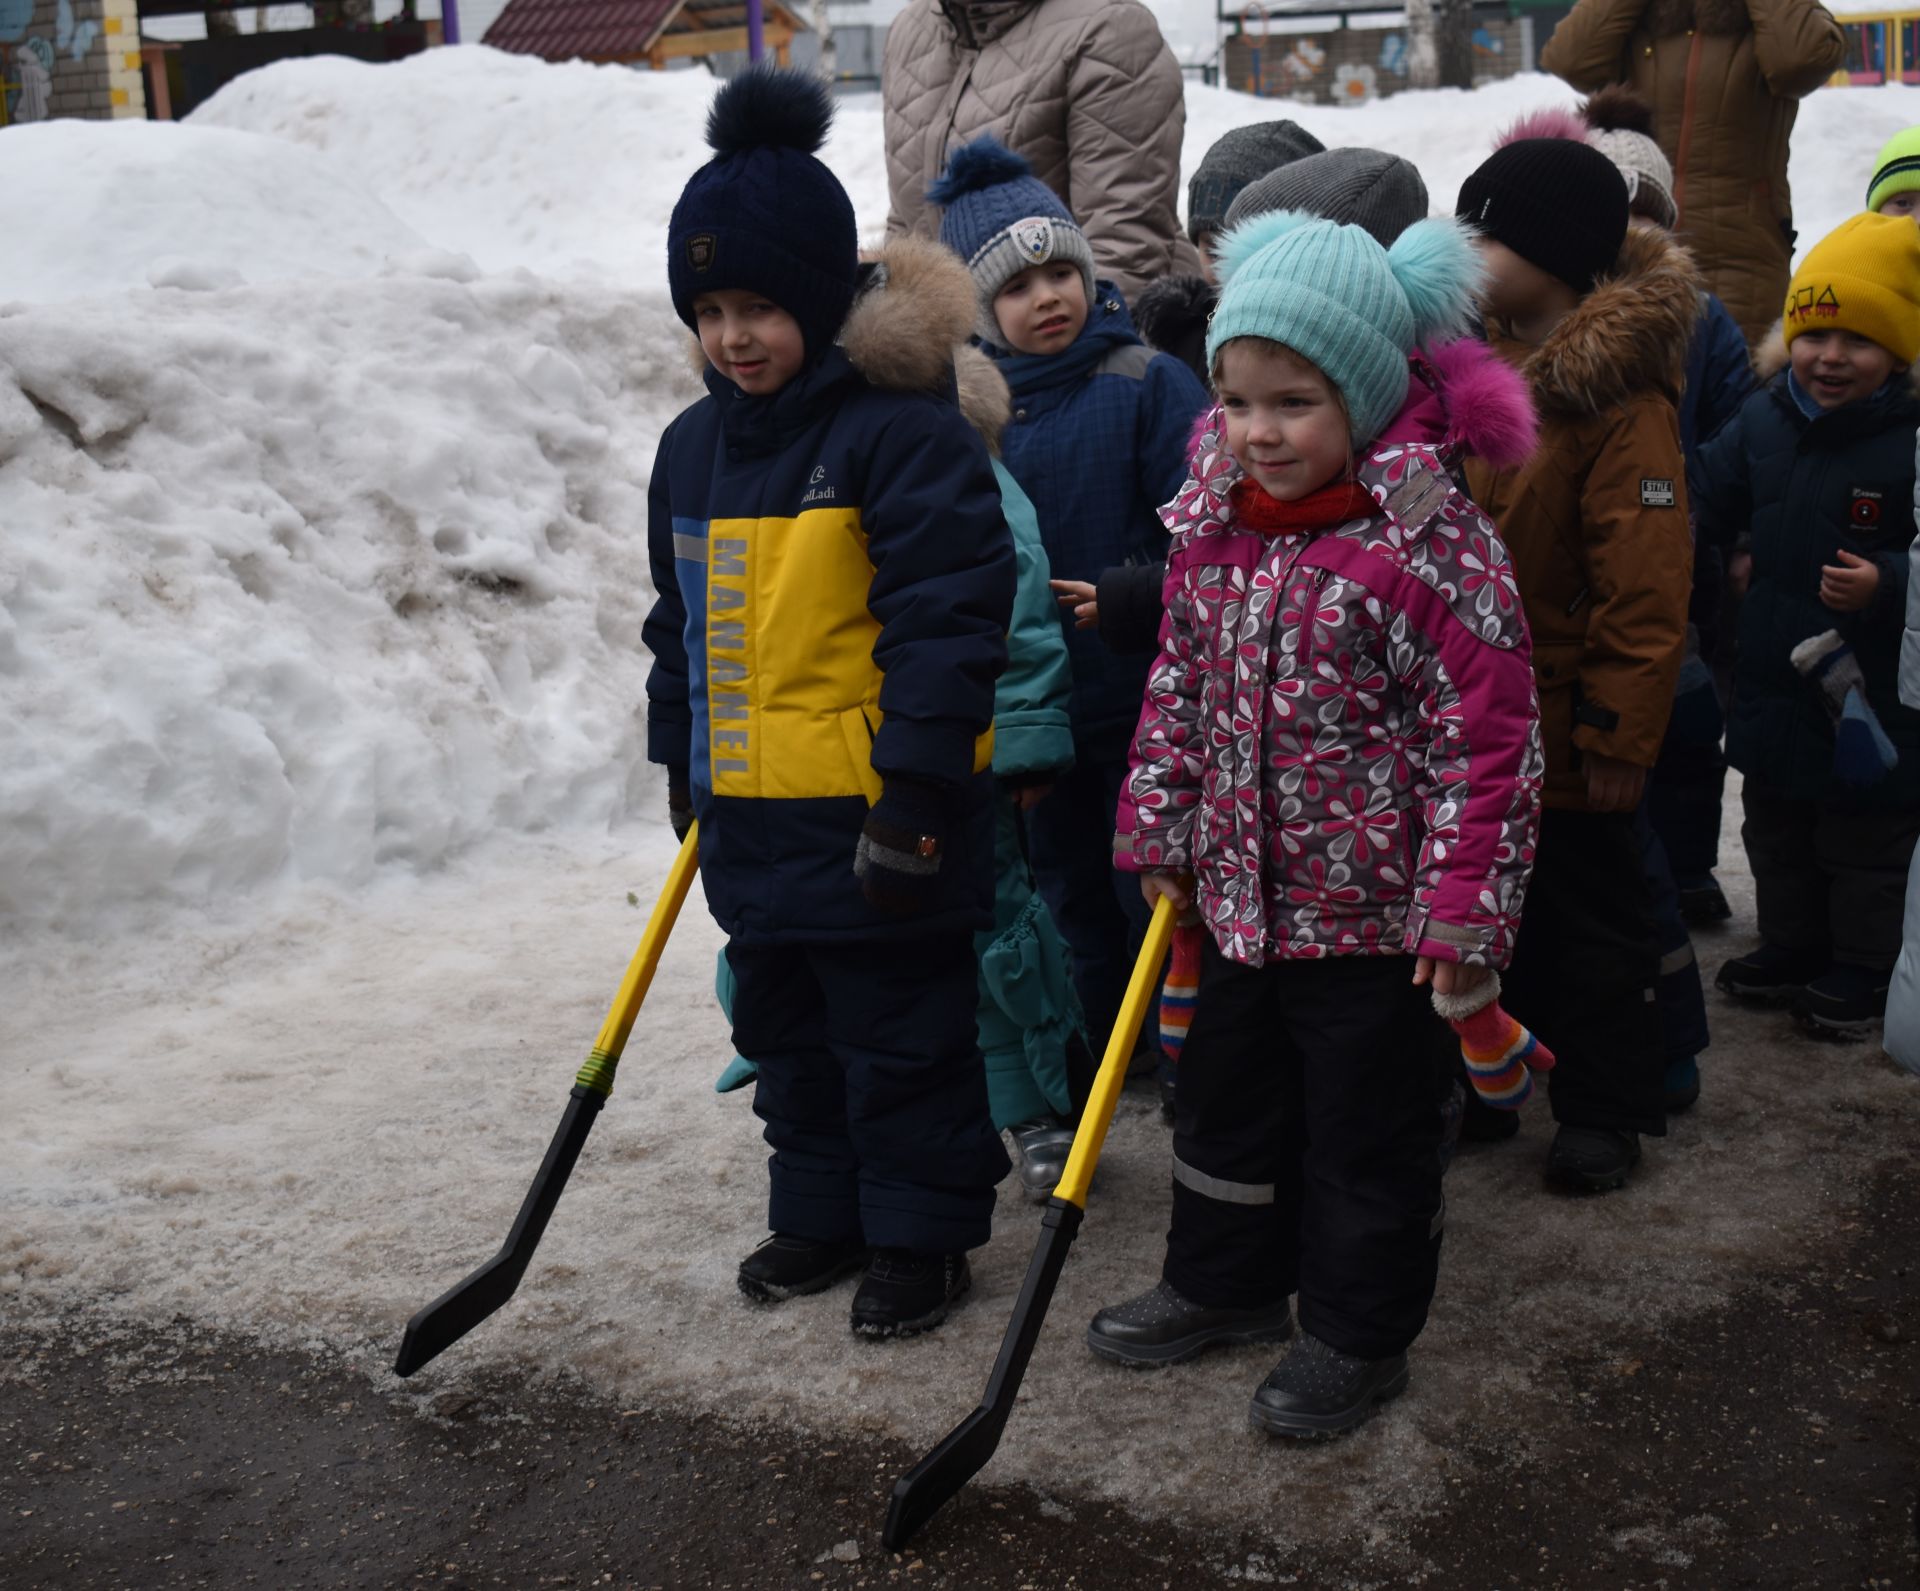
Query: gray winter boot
pixel 1040 1153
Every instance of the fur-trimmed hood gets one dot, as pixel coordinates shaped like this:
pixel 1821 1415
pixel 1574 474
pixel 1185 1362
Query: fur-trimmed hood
pixel 1664 18
pixel 915 306
pixel 1628 336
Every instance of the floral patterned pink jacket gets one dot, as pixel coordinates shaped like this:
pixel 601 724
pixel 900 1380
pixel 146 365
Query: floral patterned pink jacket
pixel 1340 737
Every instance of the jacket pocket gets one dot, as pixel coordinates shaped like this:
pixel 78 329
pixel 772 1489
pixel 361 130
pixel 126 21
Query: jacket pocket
pixel 857 730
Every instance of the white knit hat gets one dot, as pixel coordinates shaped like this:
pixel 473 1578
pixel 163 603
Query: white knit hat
pixel 1620 126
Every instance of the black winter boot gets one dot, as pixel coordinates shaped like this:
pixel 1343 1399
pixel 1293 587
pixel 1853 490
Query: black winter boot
pixel 1771 975
pixel 1319 1391
pixel 1162 1328
pixel 1592 1159
pixel 904 1294
pixel 784 1267
pixel 1844 1002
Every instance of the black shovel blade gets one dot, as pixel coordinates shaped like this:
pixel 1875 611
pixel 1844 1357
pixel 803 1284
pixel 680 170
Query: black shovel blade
pixel 464 1305
pixel 964 1451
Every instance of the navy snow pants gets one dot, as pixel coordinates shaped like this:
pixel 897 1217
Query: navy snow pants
pixel 872 1088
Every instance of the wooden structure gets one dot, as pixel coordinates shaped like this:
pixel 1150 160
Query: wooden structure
pixel 1882 47
pixel 633 32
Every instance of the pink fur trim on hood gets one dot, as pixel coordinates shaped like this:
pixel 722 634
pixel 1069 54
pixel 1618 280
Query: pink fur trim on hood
pixel 1557 121
pixel 1468 400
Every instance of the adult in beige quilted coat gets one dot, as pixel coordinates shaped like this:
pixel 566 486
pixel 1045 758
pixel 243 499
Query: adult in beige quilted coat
pixel 1086 90
pixel 1725 79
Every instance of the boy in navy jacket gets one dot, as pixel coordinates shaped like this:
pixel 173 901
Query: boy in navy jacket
pixel 1098 442
pixel 1812 486
pixel 835 582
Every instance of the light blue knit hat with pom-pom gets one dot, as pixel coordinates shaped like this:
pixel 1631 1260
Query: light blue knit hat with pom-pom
pixel 1334 296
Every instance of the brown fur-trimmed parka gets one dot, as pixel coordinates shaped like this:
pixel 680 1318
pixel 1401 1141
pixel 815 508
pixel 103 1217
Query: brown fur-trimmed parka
pixel 1596 520
pixel 1725 78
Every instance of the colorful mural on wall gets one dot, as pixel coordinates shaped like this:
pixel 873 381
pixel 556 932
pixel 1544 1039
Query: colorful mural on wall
pixel 69 58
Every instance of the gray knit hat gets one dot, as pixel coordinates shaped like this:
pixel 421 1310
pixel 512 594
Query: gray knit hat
pixel 1380 193
pixel 1237 158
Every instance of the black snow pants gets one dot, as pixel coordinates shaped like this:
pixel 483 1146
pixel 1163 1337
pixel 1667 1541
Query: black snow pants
pixel 1307 1148
pixel 1585 967
pixel 873 1089
pixel 1829 876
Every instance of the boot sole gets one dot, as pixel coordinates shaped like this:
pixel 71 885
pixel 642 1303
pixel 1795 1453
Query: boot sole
pixel 1589 1181
pixel 772 1293
pixel 885 1330
pixel 1761 994
pixel 1839 1032
pixel 1157 1356
pixel 1277 1422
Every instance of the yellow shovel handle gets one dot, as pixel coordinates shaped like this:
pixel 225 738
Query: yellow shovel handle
pixel 1091 1135
pixel 597 1074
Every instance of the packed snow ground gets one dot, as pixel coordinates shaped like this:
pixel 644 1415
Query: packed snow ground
pixel 306 1121
pixel 321 802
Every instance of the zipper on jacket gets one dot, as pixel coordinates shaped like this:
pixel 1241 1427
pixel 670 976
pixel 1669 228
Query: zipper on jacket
pixel 1683 148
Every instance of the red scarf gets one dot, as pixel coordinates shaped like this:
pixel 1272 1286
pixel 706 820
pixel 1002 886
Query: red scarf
pixel 1268 516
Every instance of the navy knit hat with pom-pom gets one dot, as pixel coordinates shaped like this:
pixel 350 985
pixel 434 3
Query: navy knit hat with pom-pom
pixel 1000 218
pixel 764 214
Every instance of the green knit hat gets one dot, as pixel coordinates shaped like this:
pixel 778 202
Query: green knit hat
pixel 1334 296
pixel 1897 170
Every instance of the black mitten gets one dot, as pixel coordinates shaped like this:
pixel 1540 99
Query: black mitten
pixel 679 801
pixel 898 858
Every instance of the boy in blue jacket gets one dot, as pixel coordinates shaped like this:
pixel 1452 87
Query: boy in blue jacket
pixel 1098 442
pixel 835 581
pixel 1813 484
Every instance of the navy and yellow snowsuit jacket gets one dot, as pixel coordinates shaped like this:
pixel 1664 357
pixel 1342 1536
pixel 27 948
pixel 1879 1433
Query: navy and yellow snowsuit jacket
pixel 835 582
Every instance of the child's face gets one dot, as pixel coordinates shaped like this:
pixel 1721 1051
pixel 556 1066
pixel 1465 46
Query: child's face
pixel 1041 310
pixel 1907 204
pixel 754 343
pixel 1515 289
pixel 1837 367
pixel 1285 423
pixel 1204 243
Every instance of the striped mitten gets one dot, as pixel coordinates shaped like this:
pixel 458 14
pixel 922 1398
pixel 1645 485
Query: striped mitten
pixel 1501 1055
pixel 1181 990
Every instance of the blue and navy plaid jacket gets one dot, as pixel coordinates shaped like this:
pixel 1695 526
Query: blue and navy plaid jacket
pixel 1098 441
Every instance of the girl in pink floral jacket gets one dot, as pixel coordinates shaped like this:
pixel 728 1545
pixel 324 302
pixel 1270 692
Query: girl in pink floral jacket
pixel 1338 762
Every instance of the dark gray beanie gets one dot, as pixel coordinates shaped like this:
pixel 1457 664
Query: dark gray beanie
pixel 1380 193
pixel 1236 159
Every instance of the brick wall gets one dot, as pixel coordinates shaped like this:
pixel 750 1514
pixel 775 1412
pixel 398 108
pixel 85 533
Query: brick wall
pixel 69 58
pixel 1356 64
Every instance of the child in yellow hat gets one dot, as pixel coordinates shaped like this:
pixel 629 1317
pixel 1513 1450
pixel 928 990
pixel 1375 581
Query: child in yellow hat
pixel 1814 479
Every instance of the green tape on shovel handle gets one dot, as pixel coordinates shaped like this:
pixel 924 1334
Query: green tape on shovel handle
pixel 597 1074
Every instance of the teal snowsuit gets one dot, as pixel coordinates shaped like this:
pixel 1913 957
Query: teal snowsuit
pixel 1028 1012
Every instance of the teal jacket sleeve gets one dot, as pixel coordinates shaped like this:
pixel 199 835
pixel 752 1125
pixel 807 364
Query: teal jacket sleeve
pixel 1032 733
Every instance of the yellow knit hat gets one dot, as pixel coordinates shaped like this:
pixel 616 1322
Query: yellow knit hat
pixel 1862 277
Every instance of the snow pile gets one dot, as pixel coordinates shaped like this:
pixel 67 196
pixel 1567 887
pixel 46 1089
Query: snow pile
pixel 576 167
pixel 318 577
pixel 501 157
pixel 106 205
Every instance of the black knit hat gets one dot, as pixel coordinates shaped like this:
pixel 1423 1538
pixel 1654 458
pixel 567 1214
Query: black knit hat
pixel 1240 156
pixel 1556 203
pixel 764 214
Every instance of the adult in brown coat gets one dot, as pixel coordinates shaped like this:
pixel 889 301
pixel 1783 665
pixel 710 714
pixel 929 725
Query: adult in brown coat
pixel 1086 90
pixel 1725 78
